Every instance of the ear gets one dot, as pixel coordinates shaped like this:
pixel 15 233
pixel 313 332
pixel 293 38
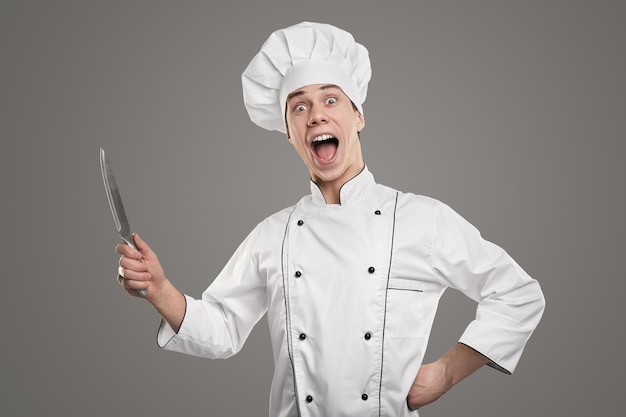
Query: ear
pixel 287 131
pixel 360 122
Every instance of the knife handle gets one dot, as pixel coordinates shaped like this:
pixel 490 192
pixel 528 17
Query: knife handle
pixel 129 241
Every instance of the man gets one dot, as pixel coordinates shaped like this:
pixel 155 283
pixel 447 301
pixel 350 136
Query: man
pixel 351 275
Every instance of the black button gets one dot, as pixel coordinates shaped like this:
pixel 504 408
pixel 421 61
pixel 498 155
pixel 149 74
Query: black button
pixel 368 336
pixel 364 397
pixel 302 336
pixel 377 212
pixel 371 269
pixel 300 222
pixel 298 274
pixel 309 399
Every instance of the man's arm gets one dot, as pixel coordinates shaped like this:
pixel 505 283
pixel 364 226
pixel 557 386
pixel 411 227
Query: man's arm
pixel 141 269
pixel 435 379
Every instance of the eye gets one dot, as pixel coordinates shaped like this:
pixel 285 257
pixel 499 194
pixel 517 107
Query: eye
pixel 331 100
pixel 299 108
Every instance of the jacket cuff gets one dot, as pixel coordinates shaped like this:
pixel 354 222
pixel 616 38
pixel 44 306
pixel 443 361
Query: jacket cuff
pixel 501 344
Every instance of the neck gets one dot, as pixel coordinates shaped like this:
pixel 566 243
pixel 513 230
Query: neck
pixel 331 190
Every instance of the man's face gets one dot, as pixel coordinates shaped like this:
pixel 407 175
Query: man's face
pixel 323 127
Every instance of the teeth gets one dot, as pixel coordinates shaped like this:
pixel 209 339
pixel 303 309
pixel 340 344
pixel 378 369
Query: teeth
pixel 322 138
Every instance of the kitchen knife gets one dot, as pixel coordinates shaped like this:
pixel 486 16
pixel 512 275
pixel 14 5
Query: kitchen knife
pixel 117 207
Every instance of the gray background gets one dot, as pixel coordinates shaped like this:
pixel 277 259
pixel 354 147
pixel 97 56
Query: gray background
pixel 511 112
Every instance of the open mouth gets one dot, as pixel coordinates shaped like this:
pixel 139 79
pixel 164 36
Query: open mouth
pixel 325 147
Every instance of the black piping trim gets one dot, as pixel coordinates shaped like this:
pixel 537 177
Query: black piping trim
pixel 382 353
pixel 287 315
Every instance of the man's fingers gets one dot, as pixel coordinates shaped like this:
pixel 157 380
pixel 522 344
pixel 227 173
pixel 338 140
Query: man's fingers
pixel 131 283
pixel 130 286
pixel 142 246
pixel 132 264
pixel 133 269
pixel 128 251
pixel 131 275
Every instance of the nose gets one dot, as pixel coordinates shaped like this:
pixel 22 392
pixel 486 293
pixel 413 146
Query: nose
pixel 317 115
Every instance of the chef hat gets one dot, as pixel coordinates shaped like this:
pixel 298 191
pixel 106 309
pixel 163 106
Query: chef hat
pixel 300 55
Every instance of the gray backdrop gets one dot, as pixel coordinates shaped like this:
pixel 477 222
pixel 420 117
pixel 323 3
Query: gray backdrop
pixel 511 112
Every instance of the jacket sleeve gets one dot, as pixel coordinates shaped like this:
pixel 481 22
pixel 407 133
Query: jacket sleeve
pixel 217 325
pixel 510 302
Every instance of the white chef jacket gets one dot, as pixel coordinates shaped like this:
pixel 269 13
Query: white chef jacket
pixel 350 293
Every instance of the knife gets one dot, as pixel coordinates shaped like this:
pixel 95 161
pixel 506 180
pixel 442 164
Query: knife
pixel 117 207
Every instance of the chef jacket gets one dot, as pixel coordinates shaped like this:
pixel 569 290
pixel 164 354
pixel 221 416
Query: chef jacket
pixel 350 293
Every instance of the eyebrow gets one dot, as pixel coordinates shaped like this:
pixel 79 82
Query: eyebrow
pixel 301 93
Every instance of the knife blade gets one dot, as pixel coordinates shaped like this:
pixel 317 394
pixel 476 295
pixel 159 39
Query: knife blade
pixel 117 206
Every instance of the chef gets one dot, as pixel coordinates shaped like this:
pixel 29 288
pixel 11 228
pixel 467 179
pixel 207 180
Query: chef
pixel 351 275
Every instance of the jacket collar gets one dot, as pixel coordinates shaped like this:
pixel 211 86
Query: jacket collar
pixel 351 191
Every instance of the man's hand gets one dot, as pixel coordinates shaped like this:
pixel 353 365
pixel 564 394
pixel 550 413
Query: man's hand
pixel 139 269
pixel 430 384
pixel 435 379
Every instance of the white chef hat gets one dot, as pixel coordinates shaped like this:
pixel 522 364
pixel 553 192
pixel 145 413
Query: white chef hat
pixel 303 54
